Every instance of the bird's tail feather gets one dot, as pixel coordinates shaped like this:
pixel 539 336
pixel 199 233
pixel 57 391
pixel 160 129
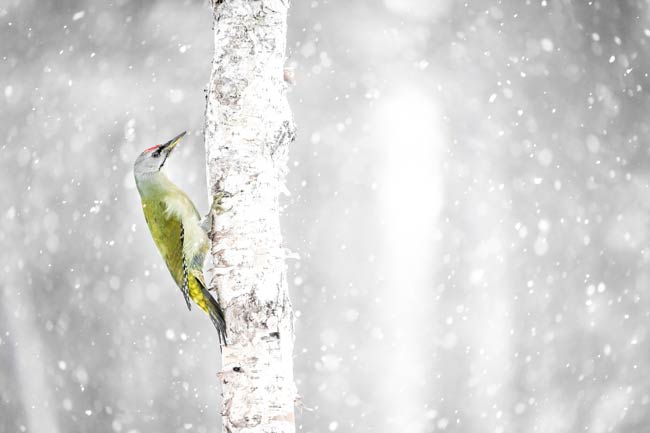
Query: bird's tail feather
pixel 216 313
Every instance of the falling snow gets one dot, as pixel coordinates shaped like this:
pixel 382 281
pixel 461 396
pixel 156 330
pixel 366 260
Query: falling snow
pixel 469 199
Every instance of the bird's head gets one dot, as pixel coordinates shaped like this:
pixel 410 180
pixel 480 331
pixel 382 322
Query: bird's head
pixel 151 160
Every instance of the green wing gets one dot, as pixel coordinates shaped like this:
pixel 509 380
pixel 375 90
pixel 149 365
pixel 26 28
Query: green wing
pixel 185 288
pixel 167 232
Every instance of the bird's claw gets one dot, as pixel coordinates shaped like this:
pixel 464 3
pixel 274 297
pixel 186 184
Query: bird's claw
pixel 217 201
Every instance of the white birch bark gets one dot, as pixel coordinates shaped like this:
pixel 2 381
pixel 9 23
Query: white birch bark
pixel 248 130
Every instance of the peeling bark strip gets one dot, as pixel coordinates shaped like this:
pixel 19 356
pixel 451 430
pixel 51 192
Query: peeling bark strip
pixel 247 133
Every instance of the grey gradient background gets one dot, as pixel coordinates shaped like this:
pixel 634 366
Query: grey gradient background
pixel 470 203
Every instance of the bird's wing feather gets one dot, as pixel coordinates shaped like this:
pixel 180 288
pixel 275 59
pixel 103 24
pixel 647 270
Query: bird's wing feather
pixel 167 232
pixel 185 288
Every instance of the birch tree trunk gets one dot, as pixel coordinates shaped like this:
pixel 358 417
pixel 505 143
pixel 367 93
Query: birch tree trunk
pixel 249 127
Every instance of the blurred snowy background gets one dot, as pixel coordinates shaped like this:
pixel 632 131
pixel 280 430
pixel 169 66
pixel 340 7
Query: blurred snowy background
pixel 469 198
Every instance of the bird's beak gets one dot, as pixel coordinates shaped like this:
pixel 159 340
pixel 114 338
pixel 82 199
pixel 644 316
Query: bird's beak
pixel 169 146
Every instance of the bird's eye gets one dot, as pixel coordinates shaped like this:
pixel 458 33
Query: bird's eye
pixel 156 153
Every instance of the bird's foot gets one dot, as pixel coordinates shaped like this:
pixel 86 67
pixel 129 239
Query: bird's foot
pixel 217 202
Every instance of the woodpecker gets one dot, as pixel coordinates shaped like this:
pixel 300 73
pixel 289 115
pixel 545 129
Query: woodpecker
pixel 179 234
